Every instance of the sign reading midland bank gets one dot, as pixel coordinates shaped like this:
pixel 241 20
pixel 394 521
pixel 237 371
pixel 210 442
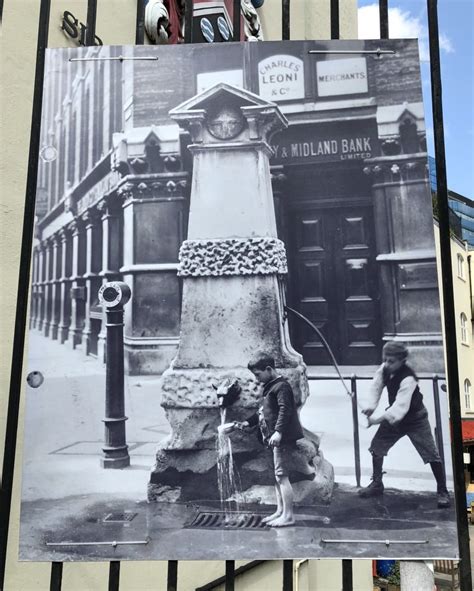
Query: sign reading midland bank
pixel 326 142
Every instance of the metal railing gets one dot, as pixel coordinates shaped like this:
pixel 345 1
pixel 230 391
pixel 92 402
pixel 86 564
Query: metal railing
pixel 448 298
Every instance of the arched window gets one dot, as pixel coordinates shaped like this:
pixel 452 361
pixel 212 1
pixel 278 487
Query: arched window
pixel 467 394
pixel 460 266
pixel 464 328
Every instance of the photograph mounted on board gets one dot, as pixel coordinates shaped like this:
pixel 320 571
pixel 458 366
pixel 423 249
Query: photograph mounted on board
pixel 235 326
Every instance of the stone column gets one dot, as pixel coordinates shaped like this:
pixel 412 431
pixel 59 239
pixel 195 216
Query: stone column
pixel 77 290
pixel 232 307
pixel 406 252
pixel 64 319
pixel 110 209
pixel 40 288
pixel 54 288
pixel 89 218
pixel 47 288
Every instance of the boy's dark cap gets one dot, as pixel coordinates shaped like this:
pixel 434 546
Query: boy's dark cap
pixel 395 349
pixel 261 361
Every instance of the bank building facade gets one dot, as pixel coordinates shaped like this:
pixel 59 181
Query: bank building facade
pixel 349 177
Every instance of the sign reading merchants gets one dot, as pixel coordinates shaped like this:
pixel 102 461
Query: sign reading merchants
pixel 347 76
pixel 281 77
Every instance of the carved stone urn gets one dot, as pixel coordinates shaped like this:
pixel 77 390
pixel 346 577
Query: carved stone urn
pixel 232 266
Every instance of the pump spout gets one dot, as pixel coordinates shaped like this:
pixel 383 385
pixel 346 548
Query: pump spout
pixel 228 391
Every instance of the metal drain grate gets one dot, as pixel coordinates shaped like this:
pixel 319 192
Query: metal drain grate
pixel 117 517
pixel 231 520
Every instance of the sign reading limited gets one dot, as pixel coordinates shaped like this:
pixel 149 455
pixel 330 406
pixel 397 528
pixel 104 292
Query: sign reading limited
pixel 326 142
pixel 281 77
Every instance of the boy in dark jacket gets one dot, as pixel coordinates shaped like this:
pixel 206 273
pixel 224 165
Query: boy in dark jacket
pixel 279 429
pixel 405 415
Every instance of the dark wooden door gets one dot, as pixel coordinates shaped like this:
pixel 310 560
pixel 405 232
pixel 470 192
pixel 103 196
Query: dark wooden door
pixel 333 282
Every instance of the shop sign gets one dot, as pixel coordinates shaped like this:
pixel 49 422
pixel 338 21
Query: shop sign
pixel 76 30
pixel 281 77
pixel 326 142
pixel 206 80
pixel 97 192
pixel 336 77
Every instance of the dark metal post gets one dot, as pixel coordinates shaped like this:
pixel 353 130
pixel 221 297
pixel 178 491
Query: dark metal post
pixel 229 575
pixel 91 21
pixel 140 23
pixel 188 21
pixel 287 575
pixel 114 296
pixel 285 20
pixel 448 298
pixel 114 575
pixel 55 582
pixel 355 428
pixel 347 576
pixel 172 583
pixel 236 20
pixel 334 19
pixel 383 18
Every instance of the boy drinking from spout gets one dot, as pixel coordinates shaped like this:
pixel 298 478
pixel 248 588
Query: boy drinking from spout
pixel 405 415
pixel 279 429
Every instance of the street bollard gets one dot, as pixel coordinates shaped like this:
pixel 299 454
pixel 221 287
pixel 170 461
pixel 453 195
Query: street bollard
pixel 113 296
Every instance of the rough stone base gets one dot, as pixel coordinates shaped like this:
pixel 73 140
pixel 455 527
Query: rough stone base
pixel 191 475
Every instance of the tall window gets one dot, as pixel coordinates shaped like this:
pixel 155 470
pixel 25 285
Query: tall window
pixel 467 394
pixel 460 266
pixel 464 328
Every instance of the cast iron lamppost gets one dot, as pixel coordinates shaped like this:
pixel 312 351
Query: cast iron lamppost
pixel 113 296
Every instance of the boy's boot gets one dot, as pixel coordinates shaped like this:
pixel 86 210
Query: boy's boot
pixel 443 495
pixel 375 488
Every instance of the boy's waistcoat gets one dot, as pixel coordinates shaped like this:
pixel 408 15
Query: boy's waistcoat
pixel 392 382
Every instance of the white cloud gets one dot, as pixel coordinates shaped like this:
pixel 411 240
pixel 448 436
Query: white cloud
pixel 402 25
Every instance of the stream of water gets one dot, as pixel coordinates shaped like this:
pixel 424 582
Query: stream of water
pixel 228 478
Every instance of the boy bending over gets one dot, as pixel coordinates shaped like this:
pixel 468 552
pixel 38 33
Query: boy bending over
pixel 405 415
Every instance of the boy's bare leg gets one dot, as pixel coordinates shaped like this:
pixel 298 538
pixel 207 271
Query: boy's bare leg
pixel 279 509
pixel 287 516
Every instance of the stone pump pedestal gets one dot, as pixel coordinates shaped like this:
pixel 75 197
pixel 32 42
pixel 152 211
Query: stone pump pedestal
pixel 232 266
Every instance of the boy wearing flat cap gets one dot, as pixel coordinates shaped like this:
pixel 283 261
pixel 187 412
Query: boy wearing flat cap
pixel 405 415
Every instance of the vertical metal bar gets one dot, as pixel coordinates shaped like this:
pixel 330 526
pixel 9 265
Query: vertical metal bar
pixel 287 575
pixel 114 576
pixel 383 18
pixel 91 20
pixel 188 21
pixel 285 20
pixel 229 575
pixel 23 283
pixel 355 428
pixel 347 583
pixel 56 579
pixel 334 19
pixel 172 583
pixel 448 298
pixel 140 23
pixel 236 20
pixel 439 425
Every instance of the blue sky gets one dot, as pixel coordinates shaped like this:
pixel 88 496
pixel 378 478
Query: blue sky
pixel 408 18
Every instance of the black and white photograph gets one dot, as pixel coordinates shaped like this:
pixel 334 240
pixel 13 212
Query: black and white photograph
pixel 235 346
